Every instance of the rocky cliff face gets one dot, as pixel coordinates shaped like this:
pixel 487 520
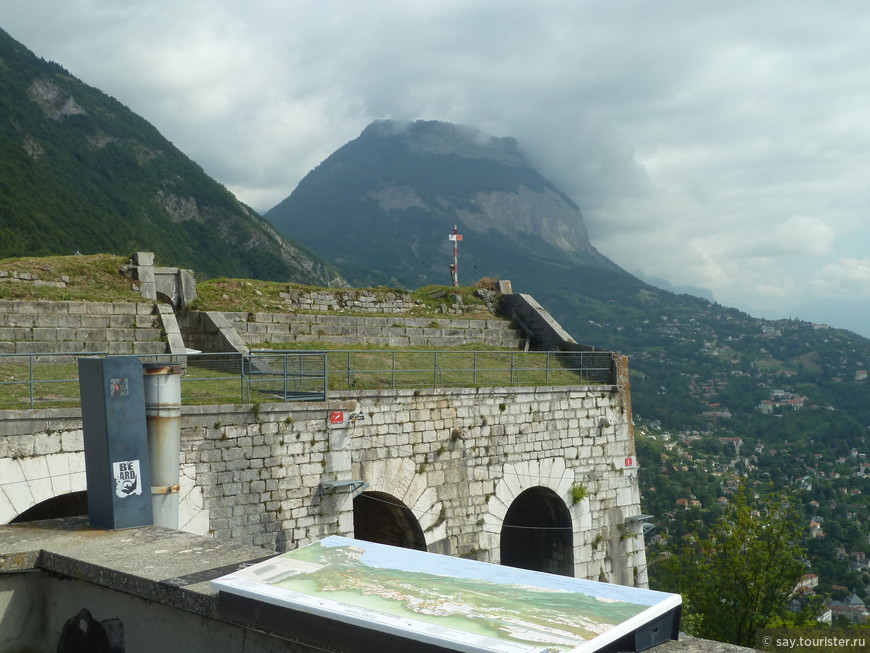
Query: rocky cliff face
pixel 395 192
pixel 546 215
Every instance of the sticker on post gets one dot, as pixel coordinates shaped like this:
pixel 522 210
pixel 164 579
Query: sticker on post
pixel 127 478
pixel 120 388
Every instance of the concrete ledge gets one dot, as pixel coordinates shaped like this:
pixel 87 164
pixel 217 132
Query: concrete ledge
pixel 36 420
pixel 106 570
pixel 154 563
pixel 147 589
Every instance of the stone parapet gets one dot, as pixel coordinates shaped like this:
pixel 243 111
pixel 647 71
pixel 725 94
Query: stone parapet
pixel 262 330
pixel 36 327
pixel 356 301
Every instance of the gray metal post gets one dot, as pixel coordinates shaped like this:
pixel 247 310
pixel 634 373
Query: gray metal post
pixel 163 417
pixel 116 442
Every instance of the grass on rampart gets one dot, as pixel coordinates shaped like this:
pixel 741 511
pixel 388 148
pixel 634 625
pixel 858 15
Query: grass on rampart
pixel 363 367
pixel 214 380
pixel 89 278
pixel 97 278
pixel 253 296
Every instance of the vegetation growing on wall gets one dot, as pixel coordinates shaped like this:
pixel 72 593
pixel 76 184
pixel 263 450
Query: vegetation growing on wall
pixel 93 278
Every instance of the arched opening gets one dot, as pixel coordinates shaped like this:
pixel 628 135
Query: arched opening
pixel 536 533
pixel 380 517
pixel 65 505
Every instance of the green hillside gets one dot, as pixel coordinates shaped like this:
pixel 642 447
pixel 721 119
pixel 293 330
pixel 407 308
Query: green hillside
pixel 795 395
pixel 81 172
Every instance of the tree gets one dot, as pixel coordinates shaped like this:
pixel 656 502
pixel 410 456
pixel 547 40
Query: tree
pixel 740 576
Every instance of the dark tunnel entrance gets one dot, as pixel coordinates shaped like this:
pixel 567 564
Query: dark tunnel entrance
pixel 65 505
pixel 380 517
pixel 537 533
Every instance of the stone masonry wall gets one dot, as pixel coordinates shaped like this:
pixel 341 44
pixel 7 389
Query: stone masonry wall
pixel 260 329
pixel 456 458
pixel 374 301
pixel 32 279
pixel 42 457
pixel 118 328
pixel 356 301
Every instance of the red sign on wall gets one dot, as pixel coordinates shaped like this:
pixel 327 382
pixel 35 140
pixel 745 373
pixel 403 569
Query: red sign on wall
pixel 336 417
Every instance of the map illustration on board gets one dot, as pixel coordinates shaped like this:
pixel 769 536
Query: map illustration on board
pixel 469 605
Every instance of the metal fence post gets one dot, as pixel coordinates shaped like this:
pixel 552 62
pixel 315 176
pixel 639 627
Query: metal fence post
pixel 30 360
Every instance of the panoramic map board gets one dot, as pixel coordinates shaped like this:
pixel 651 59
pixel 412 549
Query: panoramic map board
pixel 463 605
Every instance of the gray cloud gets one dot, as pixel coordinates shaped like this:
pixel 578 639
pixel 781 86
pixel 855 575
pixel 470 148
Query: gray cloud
pixel 720 145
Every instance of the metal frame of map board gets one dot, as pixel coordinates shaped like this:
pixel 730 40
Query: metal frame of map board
pixel 331 589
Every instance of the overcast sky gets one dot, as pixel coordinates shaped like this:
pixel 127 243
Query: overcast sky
pixel 724 144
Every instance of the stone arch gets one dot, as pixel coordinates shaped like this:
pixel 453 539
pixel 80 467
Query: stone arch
pixel 548 473
pixel 537 533
pixel 193 514
pixel 381 517
pixel 50 484
pixel 398 478
pixel 64 505
pixel 32 480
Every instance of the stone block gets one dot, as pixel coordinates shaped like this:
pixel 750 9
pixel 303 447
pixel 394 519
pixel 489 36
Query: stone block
pixel 129 334
pixel 65 334
pixel 44 334
pixel 47 444
pixel 149 348
pixel 145 321
pixel 258 487
pixel 45 320
pixel 122 321
pixel 95 321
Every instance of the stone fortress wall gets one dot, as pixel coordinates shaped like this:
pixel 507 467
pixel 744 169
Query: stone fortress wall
pixel 464 464
pixel 115 328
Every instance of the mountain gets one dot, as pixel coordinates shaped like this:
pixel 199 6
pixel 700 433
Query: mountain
pixel 718 395
pixel 381 208
pixel 664 284
pixel 81 172
pixel 852 314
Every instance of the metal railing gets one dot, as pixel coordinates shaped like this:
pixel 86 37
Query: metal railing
pixel 285 376
pixel 51 379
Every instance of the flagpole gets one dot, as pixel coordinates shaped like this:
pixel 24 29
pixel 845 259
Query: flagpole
pixel 455 257
pixel 454 269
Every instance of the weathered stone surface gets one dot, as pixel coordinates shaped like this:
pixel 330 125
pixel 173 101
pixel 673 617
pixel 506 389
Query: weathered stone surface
pixel 32 327
pixel 388 332
pixel 259 474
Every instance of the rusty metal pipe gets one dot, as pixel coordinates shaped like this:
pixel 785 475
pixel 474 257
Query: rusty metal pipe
pixel 163 419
